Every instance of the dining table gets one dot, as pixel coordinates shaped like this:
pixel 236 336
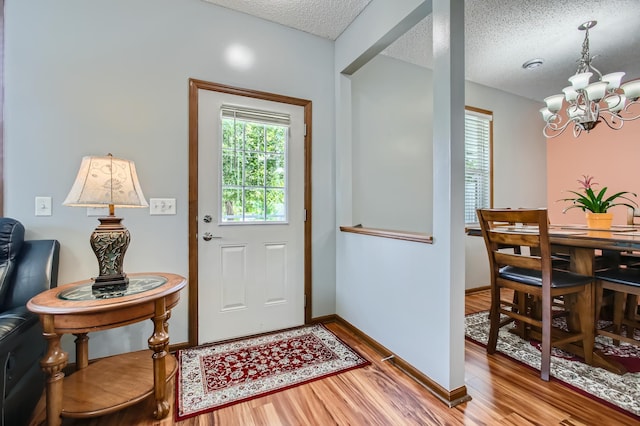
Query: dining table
pixel 582 246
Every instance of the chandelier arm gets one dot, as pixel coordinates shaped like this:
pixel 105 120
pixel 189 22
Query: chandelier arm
pixel 610 105
pixel 626 110
pixel 553 125
pixel 577 129
pixel 613 120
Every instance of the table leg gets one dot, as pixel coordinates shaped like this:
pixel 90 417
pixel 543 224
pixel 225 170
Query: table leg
pixel 582 262
pixel 53 363
pixel 158 342
pixel 82 351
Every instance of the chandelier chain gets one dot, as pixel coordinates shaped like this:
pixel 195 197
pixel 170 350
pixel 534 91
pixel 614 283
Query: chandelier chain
pixel 585 60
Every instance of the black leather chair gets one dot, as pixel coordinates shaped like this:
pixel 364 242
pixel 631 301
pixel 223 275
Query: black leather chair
pixel 26 269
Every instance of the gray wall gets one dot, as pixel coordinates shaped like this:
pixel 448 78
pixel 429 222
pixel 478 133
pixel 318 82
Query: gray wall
pixel 89 78
pixel 392 153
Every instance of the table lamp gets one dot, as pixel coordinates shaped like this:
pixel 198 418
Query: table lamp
pixel 113 182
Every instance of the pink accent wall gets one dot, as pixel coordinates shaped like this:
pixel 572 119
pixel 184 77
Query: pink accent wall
pixel 611 156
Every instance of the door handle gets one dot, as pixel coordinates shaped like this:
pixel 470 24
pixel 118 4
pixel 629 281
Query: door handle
pixel 208 236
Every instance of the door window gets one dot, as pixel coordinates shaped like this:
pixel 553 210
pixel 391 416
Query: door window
pixel 254 166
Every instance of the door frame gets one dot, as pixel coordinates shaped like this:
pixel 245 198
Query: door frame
pixel 194 86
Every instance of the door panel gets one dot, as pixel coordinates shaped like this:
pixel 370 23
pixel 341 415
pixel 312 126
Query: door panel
pixel 275 273
pixel 234 278
pixel 250 259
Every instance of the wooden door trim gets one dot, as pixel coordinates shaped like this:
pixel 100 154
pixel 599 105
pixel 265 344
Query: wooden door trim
pixel 194 86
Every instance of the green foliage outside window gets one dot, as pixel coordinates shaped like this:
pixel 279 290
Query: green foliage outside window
pixel 253 171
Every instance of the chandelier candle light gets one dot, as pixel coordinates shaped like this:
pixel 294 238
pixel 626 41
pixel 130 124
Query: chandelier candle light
pixel 604 100
pixel 108 182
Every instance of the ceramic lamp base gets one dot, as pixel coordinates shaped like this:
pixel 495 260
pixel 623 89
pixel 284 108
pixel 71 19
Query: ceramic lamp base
pixel 110 241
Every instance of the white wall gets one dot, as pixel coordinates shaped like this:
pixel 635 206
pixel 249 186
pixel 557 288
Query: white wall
pixel 392 152
pixel 392 146
pixel 519 164
pixel 88 77
pixel 407 296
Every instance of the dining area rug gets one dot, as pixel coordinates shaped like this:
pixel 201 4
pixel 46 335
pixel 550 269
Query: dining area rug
pixel 214 376
pixel 618 391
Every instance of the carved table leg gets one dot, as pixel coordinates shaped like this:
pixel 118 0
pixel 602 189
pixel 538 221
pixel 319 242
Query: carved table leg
pixel 158 342
pixel 82 351
pixel 582 260
pixel 52 364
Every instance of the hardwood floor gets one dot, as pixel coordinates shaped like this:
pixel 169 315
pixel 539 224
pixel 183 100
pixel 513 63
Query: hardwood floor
pixel 503 392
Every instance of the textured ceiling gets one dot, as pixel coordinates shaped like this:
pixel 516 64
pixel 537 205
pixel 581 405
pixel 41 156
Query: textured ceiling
pixel 324 18
pixel 500 36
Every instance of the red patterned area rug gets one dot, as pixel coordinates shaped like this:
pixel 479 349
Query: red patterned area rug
pixel 621 392
pixel 218 375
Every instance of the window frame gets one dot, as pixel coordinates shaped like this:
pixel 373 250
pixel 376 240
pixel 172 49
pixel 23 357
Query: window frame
pixel 488 113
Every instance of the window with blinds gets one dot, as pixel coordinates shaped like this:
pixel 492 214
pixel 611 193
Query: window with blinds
pixel 478 132
pixel 254 165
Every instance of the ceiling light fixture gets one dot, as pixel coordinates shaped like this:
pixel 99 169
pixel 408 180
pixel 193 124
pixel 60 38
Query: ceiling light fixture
pixel 533 63
pixel 588 104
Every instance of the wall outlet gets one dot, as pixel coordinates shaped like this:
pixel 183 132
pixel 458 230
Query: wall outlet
pixel 159 206
pixel 43 206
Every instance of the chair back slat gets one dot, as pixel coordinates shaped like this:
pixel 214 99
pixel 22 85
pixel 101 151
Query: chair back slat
pixel 524 230
pixel 513 238
pixel 518 260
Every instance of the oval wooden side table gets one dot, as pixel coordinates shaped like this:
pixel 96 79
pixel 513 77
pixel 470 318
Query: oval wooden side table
pixel 112 383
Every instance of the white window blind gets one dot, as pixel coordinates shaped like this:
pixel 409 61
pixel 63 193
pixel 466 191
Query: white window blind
pixel 477 170
pixel 254 115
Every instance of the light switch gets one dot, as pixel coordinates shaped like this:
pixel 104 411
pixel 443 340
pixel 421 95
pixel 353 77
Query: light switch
pixel 43 206
pixel 159 206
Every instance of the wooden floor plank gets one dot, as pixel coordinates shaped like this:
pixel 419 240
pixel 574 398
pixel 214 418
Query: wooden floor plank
pixel 503 393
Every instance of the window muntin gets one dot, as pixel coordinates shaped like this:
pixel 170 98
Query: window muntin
pixel 478 162
pixel 254 166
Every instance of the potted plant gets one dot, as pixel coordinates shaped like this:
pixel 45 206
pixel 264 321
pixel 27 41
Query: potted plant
pixel 597 205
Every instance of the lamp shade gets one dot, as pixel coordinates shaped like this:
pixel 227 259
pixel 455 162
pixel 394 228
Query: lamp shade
pixel 554 103
pixel 580 81
pixel 546 114
pixel 595 91
pixel 613 79
pixel 632 89
pixel 570 94
pixel 104 181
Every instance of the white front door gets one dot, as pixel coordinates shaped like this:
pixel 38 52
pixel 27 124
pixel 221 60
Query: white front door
pixel 250 216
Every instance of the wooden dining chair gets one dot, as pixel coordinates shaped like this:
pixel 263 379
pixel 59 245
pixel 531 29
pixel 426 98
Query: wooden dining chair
pixel 631 258
pixel 624 282
pixel 632 214
pixel 530 275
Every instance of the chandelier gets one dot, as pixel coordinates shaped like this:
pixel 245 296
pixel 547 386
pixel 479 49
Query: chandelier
pixel 604 100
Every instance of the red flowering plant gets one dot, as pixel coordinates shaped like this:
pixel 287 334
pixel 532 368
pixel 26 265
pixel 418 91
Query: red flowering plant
pixel 597 203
